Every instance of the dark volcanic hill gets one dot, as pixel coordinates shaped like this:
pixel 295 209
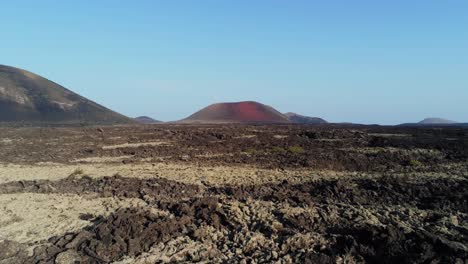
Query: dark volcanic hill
pixel 240 112
pixel 146 120
pixel 27 97
pixel 300 119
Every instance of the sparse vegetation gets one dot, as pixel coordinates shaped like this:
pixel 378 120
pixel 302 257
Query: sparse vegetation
pixel 277 149
pixel 296 150
pixel 415 163
pixel 77 172
pixel 250 151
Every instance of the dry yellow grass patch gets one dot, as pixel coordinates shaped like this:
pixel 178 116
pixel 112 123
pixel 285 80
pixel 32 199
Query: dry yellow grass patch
pixel 33 217
pixel 136 145
pixel 181 172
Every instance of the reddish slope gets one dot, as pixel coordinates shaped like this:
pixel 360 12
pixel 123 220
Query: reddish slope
pixel 241 112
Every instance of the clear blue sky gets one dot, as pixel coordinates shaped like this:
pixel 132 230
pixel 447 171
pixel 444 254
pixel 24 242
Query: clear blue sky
pixel 362 61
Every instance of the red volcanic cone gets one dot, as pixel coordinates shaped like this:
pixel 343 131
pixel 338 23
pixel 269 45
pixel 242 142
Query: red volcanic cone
pixel 241 112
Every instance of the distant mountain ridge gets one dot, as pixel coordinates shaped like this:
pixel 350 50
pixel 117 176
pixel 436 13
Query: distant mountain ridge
pixel 301 119
pixel 27 97
pixel 436 120
pixel 237 112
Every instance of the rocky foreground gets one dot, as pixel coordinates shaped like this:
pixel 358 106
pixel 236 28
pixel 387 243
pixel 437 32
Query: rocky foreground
pixel 396 197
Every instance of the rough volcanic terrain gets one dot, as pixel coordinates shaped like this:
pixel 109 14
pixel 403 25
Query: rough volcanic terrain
pixel 234 194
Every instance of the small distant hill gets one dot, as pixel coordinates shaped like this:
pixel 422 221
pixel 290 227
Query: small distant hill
pixel 147 120
pixel 238 112
pixel 300 119
pixel 436 120
pixel 27 97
